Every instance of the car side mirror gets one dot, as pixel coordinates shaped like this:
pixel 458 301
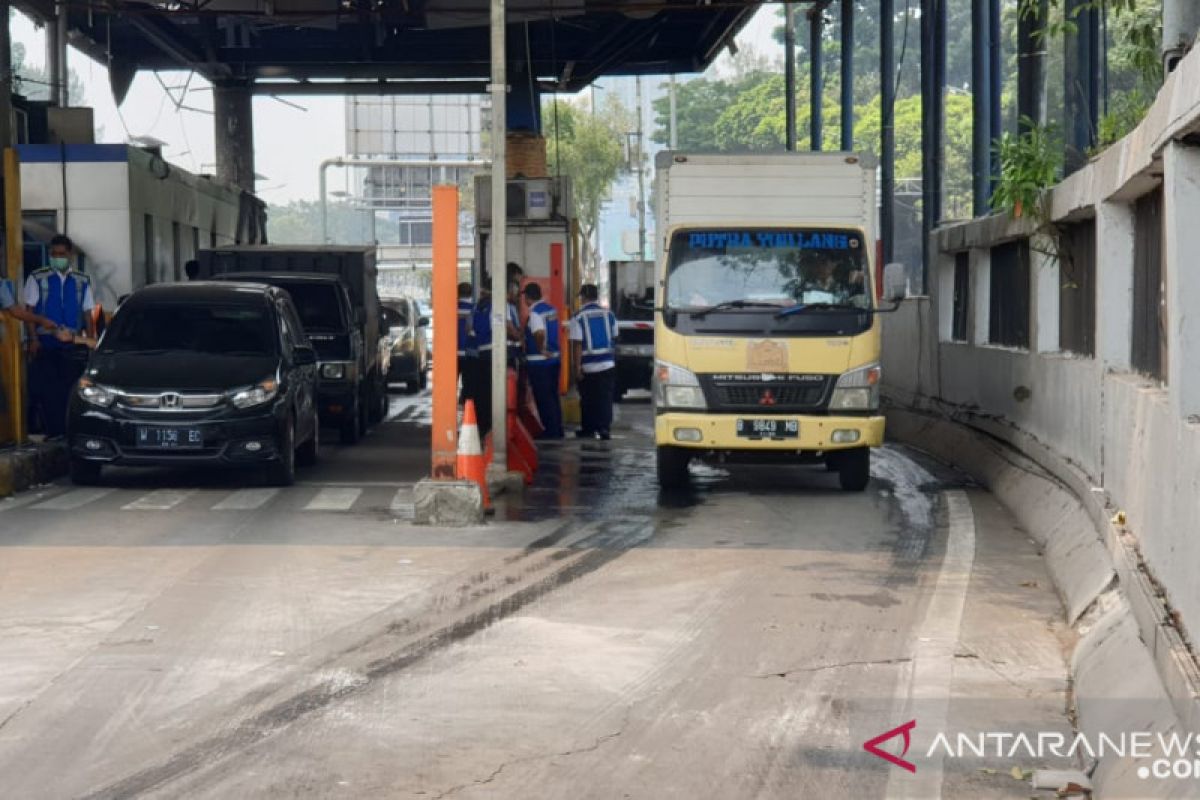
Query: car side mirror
pixel 423 322
pixel 304 356
pixel 895 283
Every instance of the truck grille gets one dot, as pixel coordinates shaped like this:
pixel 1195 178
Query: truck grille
pixel 636 335
pixel 780 394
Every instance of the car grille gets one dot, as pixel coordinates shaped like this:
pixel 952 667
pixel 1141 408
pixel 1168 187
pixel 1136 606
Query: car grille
pixel 781 394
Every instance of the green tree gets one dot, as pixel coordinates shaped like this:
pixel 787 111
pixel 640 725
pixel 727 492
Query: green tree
pixel 588 146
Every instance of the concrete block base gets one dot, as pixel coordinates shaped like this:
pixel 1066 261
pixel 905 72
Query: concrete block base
pixel 31 466
pixel 452 504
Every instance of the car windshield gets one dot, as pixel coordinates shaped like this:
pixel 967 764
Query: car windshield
pixel 317 305
pixel 760 268
pixel 172 327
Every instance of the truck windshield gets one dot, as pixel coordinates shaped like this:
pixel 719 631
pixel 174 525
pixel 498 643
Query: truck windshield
pixel 761 269
pixel 318 306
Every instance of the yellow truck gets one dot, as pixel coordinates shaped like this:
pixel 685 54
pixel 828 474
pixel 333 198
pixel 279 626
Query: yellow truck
pixel 766 340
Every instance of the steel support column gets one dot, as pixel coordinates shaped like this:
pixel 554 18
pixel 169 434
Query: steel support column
pixel 499 237
pixel 816 99
pixel 233 112
pixel 981 126
pixel 887 133
pixel 789 75
pixel 932 113
pixel 1081 82
pixel 995 75
pixel 847 65
pixel 1031 65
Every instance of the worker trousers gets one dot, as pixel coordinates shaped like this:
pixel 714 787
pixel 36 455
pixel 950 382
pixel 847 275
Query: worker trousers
pixel 543 381
pixel 596 400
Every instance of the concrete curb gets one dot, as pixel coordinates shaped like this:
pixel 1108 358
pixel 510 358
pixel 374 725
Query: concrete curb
pixel 31 465
pixel 1125 626
pixel 453 504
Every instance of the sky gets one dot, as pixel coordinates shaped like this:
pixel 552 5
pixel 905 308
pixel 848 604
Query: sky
pixel 291 138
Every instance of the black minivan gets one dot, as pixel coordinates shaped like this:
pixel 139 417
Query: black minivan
pixel 199 374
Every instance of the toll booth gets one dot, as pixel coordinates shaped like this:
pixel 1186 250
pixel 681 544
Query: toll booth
pixel 540 233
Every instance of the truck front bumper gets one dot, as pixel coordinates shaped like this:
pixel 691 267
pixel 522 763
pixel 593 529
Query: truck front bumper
pixel 718 432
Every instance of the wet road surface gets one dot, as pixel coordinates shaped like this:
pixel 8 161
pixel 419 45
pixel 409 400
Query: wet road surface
pixel 181 634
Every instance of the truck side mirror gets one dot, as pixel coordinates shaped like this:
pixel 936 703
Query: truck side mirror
pixel 895 283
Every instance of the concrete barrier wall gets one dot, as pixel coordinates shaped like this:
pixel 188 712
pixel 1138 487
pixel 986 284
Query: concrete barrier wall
pixel 1135 439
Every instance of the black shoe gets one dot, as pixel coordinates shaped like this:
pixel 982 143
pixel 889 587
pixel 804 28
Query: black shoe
pixel 604 435
pixel 582 434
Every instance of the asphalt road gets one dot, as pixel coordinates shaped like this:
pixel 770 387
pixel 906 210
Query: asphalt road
pixel 181 634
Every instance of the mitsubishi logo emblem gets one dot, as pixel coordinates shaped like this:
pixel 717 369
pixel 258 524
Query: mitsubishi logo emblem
pixel 169 400
pixel 767 399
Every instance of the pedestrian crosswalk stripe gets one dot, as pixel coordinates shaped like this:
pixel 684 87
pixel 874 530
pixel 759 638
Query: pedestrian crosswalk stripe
pixel 76 498
pixel 333 500
pixel 246 500
pixel 161 500
pixel 402 503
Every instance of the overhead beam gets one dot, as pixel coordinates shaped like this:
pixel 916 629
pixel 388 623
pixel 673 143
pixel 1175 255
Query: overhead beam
pixel 349 88
pixel 186 53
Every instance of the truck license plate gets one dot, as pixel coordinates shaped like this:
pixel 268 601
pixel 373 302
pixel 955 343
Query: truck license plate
pixel 170 438
pixel 768 428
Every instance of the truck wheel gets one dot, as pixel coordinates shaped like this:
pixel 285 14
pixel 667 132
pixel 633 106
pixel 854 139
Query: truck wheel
pixel 425 377
pixel 673 467
pixel 85 473
pixel 854 469
pixel 349 429
pixel 413 384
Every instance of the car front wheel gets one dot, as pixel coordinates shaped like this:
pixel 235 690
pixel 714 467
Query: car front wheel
pixel 283 471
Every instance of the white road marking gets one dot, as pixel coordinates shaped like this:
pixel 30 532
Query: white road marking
pixel 402 504
pixel 333 500
pixel 160 500
pixel 925 696
pixel 76 498
pixel 246 500
pixel 13 503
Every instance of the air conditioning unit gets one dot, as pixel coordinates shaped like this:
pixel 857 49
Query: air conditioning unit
pixel 528 200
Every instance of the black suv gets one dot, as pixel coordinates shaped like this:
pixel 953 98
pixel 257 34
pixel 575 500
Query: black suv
pixel 198 373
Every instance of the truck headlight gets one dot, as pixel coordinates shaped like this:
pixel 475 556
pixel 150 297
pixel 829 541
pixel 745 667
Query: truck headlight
pixel 262 392
pixel 857 390
pixel 337 371
pixel 96 394
pixel 676 387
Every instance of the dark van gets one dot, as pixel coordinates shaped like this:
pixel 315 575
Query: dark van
pixel 215 374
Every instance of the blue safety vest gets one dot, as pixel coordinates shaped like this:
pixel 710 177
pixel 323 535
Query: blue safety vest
pixel 466 336
pixel 481 326
pixel 550 316
pixel 60 299
pixel 598 327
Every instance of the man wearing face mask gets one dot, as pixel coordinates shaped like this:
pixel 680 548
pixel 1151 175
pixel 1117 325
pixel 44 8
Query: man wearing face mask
pixel 64 296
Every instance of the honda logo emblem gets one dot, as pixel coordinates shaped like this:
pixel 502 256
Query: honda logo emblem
pixel 169 400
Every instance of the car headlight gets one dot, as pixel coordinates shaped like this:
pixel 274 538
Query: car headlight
pixel 676 387
pixel 96 394
pixel 262 392
pixel 334 372
pixel 857 390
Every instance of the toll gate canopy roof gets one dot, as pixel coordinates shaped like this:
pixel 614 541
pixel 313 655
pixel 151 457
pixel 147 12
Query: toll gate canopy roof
pixel 443 44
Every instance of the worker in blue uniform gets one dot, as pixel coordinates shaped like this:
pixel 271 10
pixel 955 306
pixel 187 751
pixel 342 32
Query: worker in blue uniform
pixel 481 381
pixel 467 355
pixel 543 358
pixel 593 347
pixel 63 296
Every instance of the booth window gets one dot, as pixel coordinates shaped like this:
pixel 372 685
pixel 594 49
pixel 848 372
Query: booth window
pixel 1149 343
pixel 1009 296
pixel 962 296
pixel 1077 288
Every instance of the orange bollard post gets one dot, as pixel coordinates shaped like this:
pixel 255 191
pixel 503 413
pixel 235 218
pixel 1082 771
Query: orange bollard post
pixel 445 329
pixel 470 464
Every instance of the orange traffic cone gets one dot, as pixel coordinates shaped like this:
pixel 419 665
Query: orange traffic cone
pixel 471 465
